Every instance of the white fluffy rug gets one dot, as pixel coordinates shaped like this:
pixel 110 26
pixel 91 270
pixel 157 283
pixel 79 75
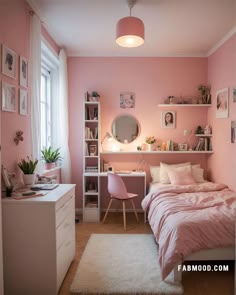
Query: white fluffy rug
pixel 121 264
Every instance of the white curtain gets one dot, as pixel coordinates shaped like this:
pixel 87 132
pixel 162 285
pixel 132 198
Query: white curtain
pixel 35 69
pixel 62 138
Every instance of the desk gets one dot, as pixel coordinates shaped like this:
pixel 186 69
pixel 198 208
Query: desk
pixel 96 198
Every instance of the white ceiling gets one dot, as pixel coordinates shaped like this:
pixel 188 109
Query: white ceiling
pixel 172 27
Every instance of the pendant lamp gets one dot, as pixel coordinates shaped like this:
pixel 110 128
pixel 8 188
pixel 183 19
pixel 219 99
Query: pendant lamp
pixel 130 30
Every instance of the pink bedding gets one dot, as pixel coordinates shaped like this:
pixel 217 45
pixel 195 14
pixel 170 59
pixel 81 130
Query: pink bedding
pixel 186 219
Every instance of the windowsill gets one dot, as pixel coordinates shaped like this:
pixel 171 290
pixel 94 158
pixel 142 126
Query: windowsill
pixel 51 170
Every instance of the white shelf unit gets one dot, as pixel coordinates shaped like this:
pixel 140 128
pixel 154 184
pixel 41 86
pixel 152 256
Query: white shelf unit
pixel 183 105
pixel 91 162
pixel 204 142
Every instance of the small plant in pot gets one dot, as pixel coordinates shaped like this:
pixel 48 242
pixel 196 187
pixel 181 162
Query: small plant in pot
pixel 28 167
pixel 50 157
pixel 94 96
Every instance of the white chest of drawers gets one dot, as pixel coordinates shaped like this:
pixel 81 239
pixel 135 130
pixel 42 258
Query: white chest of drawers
pixel 38 241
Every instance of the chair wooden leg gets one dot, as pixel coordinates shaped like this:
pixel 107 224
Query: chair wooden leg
pixel 109 205
pixel 135 212
pixel 124 215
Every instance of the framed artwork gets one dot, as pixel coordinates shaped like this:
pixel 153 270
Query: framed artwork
pixel 92 150
pixel 23 102
pixel 23 72
pixel 8 97
pixel 127 100
pixel 234 94
pixel 182 146
pixel 222 103
pixel 168 119
pixel 8 62
pixel 233 131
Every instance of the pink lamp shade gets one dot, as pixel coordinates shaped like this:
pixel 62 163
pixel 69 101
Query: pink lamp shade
pixel 130 32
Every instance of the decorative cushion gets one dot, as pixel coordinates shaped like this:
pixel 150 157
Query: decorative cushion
pixel 155 173
pixel 198 174
pixel 164 168
pixel 181 176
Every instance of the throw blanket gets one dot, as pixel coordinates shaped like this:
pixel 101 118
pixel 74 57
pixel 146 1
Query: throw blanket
pixel 186 219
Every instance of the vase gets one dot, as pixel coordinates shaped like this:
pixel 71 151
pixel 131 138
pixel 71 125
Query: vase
pixel 28 179
pixel 49 166
pixel 150 146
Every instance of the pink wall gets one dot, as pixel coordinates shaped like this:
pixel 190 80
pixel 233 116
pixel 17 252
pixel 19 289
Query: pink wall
pixel 50 40
pixel 15 34
pixel 16 37
pixel 152 80
pixel 222 74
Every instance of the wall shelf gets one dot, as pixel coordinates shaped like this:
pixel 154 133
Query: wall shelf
pixel 203 135
pixel 155 152
pixel 183 105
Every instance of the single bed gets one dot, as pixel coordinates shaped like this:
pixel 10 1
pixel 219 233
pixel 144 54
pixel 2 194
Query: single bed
pixel 191 222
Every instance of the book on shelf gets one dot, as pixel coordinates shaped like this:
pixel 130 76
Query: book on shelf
pixel 91 169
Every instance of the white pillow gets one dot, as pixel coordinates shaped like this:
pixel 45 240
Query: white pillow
pixel 164 168
pixel 198 174
pixel 155 173
pixel 196 166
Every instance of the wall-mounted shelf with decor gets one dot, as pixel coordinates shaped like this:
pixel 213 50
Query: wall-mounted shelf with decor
pixel 155 152
pixel 183 105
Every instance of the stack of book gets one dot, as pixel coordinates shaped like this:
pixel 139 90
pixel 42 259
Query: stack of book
pixel 204 144
pixel 91 169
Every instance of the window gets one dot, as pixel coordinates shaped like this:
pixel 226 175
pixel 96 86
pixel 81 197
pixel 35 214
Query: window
pixel 49 92
pixel 45 107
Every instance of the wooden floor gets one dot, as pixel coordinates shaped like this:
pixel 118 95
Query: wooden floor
pixel 201 283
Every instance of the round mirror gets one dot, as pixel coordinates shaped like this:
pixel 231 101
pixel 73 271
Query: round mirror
pixel 125 128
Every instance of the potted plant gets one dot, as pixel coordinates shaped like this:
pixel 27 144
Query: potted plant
pixel 94 96
pixel 50 157
pixel 199 130
pixel 28 168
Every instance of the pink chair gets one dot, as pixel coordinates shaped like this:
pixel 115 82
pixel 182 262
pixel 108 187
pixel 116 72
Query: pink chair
pixel 118 191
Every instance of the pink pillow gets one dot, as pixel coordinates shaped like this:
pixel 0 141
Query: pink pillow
pixel 181 176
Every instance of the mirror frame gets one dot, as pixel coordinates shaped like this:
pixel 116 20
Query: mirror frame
pixel 137 122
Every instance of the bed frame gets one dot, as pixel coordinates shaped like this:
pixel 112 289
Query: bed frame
pixel 206 255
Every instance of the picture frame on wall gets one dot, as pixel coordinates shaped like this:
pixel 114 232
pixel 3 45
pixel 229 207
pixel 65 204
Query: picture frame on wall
pixel 23 72
pixel 127 100
pixel 222 103
pixel 8 97
pixel 233 131
pixel 8 62
pixel 23 102
pixel 234 94
pixel 168 119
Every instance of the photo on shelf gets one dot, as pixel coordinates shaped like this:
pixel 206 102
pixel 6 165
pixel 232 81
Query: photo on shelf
pixel 92 150
pixel 183 146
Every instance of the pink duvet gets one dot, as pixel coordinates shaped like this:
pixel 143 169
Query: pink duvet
pixel 186 219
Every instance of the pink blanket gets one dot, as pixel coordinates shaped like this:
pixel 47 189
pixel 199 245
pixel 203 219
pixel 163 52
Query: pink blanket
pixel 186 219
